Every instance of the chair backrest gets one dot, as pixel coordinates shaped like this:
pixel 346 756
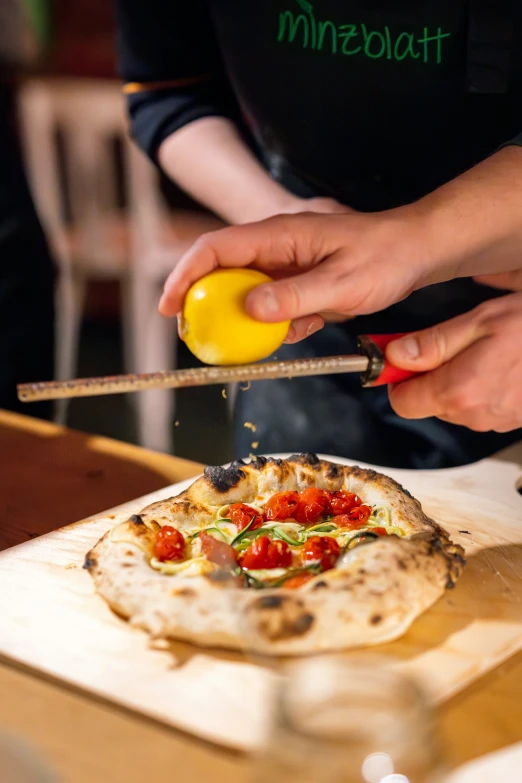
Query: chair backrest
pixel 70 128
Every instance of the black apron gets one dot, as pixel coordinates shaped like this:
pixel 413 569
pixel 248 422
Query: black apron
pixel 333 415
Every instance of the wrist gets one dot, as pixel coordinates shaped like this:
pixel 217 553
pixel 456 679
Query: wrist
pixel 406 240
pixel 270 199
pixel 472 225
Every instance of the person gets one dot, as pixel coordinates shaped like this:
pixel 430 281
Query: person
pixel 404 121
pixel 470 365
pixel 26 269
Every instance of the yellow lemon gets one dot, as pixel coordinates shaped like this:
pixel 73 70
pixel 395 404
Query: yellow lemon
pixel 216 326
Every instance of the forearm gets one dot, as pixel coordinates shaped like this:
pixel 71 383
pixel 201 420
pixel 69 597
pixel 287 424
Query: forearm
pixel 211 162
pixel 473 224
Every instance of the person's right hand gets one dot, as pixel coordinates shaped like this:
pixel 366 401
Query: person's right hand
pixel 319 204
pixel 345 264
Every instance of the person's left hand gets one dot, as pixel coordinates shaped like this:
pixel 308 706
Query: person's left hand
pixel 472 366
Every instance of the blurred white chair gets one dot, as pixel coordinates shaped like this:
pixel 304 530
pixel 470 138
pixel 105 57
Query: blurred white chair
pixel 75 185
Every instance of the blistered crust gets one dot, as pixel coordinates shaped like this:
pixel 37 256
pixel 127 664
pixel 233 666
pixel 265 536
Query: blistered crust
pixel 374 597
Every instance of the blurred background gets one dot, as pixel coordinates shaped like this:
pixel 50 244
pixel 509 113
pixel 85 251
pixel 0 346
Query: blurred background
pixel 115 228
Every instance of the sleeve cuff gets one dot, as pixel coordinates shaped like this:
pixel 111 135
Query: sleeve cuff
pixel 156 114
pixel 517 142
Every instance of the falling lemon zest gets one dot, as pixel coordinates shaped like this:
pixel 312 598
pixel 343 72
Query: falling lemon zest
pixel 247 387
pixel 176 423
pixel 224 393
pixel 249 426
pixel 255 444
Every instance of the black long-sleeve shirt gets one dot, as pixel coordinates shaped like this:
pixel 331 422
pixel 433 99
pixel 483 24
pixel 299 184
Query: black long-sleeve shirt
pixel 372 101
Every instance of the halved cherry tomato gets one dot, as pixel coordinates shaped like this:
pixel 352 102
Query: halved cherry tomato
pixel 169 544
pixel 341 502
pixel 381 531
pixel 321 549
pixel 241 515
pixel 217 551
pixel 313 504
pixel 360 513
pixel 297 581
pixel 263 553
pixel 282 505
pixel 346 521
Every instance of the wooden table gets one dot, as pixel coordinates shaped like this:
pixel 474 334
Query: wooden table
pixel 50 476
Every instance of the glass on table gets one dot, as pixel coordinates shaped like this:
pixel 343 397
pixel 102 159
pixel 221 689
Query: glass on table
pixel 342 720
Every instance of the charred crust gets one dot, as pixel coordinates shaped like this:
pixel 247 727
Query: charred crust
pixel 375 619
pixel 237 462
pixel 320 585
pixel 223 479
pixel 333 470
pixel 302 624
pixel 284 619
pixel 136 519
pixel 258 463
pixel 450 584
pixel 184 592
pixel 270 602
pixel 90 562
pixel 306 459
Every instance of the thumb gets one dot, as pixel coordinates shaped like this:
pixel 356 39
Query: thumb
pixel 428 349
pixel 509 281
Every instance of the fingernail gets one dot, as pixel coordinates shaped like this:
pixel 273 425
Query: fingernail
pixel 314 327
pixel 162 303
pixel 291 335
pixel 408 348
pixel 266 303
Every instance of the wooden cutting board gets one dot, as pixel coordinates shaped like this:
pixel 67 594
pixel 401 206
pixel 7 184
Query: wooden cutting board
pixel 51 620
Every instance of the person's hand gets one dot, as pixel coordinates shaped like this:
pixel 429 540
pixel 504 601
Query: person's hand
pixel 341 265
pixel 321 205
pixel 508 281
pixel 472 366
pixel 352 264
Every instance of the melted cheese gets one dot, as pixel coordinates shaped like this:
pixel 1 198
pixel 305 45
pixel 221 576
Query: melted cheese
pixel 197 566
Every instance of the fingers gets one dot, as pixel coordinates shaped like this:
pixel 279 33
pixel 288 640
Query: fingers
pixel 285 243
pixel 430 348
pixel 418 398
pixel 304 327
pixel 478 387
pixel 326 205
pixel 325 287
pixel 508 281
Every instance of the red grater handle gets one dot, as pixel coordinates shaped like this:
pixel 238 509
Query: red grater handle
pixel 380 372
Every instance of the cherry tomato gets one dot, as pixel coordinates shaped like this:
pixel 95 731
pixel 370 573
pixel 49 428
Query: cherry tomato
pixel 321 549
pixel 381 531
pixel 263 553
pixel 360 513
pixel 217 551
pixel 282 505
pixel 341 502
pixel 169 544
pixel 313 504
pixel 346 521
pixel 297 581
pixel 241 515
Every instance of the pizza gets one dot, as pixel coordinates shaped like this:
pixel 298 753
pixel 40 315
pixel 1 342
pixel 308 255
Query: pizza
pixel 309 555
